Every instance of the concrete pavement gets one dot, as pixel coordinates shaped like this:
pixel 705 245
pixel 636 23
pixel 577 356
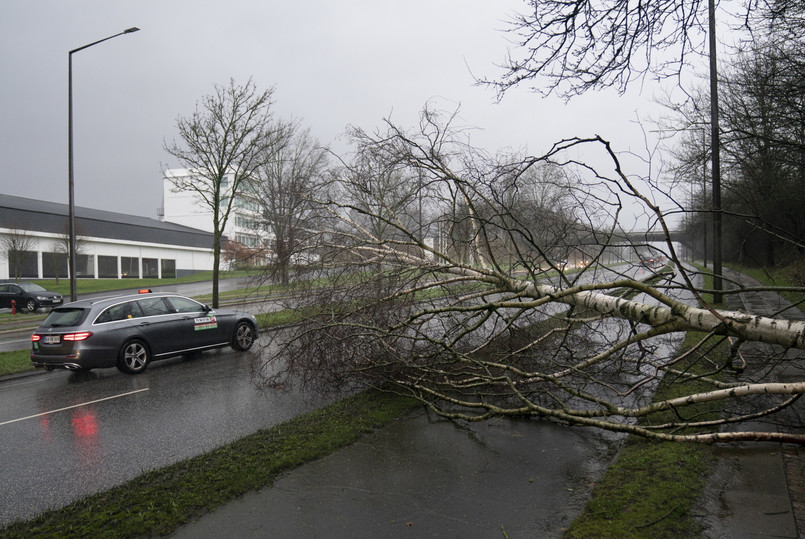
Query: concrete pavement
pixel 427 477
pixel 758 490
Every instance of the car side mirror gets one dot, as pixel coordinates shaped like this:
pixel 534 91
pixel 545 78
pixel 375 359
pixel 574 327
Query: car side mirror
pixel 207 308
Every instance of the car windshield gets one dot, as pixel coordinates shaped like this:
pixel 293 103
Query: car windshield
pixel 31 287
pixel 65 316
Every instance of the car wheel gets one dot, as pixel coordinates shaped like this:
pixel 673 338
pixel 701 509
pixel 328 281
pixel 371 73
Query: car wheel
pixel 134 357
pixel 31 305
pixel 243 338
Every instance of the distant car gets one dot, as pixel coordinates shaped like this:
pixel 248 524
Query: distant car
pixel 128 332
pixel 651 260
pixel 28 296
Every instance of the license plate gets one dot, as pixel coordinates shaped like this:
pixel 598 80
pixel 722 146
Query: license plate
pixel 51 339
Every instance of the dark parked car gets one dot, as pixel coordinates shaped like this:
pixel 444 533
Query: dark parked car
pixel 28 296
pixel 128 332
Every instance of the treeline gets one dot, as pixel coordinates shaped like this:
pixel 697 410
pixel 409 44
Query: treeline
pixel 762 108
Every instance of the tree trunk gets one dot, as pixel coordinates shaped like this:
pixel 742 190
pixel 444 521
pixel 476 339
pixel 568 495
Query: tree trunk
pixel 216 264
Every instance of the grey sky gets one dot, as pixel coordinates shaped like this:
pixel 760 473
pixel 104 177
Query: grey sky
pixel 332 63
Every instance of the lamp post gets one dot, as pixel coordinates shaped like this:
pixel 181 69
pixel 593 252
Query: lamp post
pixel 71 203
pixel 715 151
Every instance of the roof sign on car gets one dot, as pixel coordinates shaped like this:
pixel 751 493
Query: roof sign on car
pixel 144 291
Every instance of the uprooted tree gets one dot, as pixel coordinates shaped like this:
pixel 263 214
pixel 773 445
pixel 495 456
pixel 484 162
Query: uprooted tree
pixel 506 286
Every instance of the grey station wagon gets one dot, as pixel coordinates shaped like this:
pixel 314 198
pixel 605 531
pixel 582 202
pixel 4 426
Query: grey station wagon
pixel 128 332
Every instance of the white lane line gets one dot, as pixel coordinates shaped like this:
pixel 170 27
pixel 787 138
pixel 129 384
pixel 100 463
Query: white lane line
pixel 73 406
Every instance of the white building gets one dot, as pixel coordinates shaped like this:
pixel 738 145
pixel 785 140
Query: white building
pixel 110 245
pixel 186 208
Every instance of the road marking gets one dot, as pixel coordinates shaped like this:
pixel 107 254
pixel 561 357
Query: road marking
pixel 73 406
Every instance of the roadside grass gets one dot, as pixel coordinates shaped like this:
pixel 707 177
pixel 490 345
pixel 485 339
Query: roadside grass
pixel 652 488
pixel 21 317
pixel 791 276
pixel 91 286
pixel 15 362
pixel 159 501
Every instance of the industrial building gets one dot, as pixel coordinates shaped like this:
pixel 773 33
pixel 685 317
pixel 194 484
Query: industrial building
pixel 34 243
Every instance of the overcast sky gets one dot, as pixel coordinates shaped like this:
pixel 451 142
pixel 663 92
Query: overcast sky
pixel 332 64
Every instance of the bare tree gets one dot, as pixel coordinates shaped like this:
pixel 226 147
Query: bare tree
pixel 17 245
pixel 581 45
pixel 498 334
pixel 291 177
pixel 764 155
pixel 223 145
pixel 62 247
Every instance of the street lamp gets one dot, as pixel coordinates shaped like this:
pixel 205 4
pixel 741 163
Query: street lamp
pixel 71 218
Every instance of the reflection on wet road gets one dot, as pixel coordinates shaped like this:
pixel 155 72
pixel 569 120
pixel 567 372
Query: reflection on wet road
pixel 65 435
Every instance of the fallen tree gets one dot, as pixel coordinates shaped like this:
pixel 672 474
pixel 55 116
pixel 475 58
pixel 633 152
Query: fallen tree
pixel 507 286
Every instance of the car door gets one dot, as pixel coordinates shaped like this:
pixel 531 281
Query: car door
pixel 16 294
pixel 159 325
pixel 5 296
pixel 198 326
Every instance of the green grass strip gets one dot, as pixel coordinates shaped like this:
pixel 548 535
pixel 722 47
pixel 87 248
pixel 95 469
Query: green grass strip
pixel 15 362
pixel 648 492
pixel 159 501
pixel 652 487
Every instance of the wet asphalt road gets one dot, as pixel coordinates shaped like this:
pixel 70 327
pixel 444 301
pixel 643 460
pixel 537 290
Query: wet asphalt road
pixel 66 435
pixel 428 477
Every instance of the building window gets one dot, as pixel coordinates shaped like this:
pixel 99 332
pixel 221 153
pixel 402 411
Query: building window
pixel 245 222
pixel 85 266
pixel 168 268
pixel 150 268
pixel 25 264
pixel 107 267
pixel 249 241
pixel 246 204
pixel 54 265
pixel 129 267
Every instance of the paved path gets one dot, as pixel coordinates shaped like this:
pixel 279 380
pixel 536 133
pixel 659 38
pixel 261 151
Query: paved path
pixel 758 490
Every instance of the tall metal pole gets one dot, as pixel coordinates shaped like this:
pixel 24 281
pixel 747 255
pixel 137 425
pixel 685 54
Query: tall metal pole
pixel 71 199
pixel 716 157
pixel 704 194
pixel 71 196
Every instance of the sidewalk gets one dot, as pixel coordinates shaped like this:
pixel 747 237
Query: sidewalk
pixel 428 477
pixel 758 490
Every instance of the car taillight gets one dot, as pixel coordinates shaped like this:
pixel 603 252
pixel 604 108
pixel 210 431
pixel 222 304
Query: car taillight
pixel 80 336
pixel 36 338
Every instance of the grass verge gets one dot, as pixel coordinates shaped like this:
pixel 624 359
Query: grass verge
pixel 652 488
pixel 159 501
pixel 786 276
pixel 15 362
pixel 89 286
